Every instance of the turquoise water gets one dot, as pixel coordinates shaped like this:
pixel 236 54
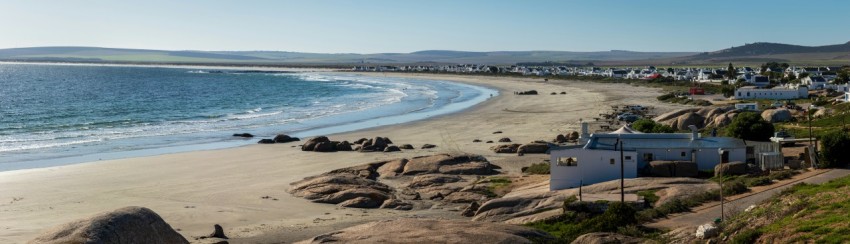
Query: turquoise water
pixel 60 114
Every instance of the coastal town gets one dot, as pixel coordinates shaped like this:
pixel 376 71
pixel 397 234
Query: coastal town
pixel 582 122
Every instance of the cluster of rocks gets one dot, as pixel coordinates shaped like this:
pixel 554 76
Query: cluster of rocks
pixel 555 93
pixel 377 144
pixel 281 138
pixel 401 184
pixel 699 117
pixel 533 147
pixel 323 144
pixel 569 137
pixel 530 92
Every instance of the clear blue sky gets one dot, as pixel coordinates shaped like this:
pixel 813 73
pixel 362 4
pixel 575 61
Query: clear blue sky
pixel 365 26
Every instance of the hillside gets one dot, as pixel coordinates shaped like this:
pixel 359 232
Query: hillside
pixel 765 52
pixel 803 213
pixel 96 54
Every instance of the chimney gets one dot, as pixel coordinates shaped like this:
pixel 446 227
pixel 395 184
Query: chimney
pixel 585 134
pixel 694 132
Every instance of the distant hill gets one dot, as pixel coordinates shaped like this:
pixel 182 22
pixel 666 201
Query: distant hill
pixel 765 52
pixel 97 54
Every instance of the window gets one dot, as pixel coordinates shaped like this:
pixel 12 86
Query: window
pixel 628 157
pixel 612 161
pixel 568 161
pixel 684 154
pixel 647 157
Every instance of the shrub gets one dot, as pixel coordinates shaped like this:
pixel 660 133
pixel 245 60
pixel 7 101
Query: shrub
pixel 537 169
pixel 650 126
pixel 834 151
pixel 750 126
pixel 734 188
pixel 781 175
pixel 759 181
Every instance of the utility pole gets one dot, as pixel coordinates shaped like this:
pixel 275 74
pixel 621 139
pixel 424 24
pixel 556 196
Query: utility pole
pixel 622 174
pixel 720 169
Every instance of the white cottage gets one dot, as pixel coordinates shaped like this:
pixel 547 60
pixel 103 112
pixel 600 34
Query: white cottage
pixel 776 93
pixel 599 159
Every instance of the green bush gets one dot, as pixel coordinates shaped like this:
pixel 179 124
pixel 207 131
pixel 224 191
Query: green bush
pixel 537 169
pixel 650 126
pixel 750 126
pixel 734 188
pixel 834 151
pixel 781 175
pixel 759 181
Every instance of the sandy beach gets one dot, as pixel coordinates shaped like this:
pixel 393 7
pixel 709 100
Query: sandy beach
pixel 194 190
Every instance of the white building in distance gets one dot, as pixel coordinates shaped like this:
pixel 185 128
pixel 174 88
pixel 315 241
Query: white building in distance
pixel 599 159
pixel 776 93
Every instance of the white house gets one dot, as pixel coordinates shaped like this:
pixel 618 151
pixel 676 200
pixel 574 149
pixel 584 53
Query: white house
pixel 776 93
pixel 846 96
pixel 747 106
pixel 760 81
pixel 598 160
pixel 815 82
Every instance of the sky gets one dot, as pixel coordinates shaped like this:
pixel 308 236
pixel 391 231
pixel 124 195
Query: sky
pixel 378 26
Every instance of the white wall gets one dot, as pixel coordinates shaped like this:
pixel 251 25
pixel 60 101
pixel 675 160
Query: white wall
pixel 770 93
pixel 594 166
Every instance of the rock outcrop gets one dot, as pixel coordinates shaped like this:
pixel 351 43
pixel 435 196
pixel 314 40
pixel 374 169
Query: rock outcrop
pixel 420 230
pixel 124 225
pixel 699 117
pixel 777 115
pixel 246 135
pixel 311 144
pixel 435 177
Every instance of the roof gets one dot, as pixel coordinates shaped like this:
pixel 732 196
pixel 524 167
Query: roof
pixel 661 141
pixel 626 130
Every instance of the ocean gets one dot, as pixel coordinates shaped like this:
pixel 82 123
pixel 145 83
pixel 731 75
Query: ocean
pixel 61 114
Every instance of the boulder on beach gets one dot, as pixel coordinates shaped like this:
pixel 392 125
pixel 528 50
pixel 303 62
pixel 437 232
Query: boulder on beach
pixel 428 146
pixel 421 230
pixel 325 147
pixel 432 180
pixel 339 188
pixel 124 225
pixel 406 146
pixel 505 139
pixel 497 132
pixel 560 139
pixel 218 232
pixel 246 135
pixel 533 148
pixel 470 210
pixel 343 146
pixel 505 148
pixel 573 136
pixel 266 141
pixel 282 138
pixel 489 142
pixel 529 92
pixel 360 141
pixel 448 164
pixel 310 145
pixel 476 141
pixel 392 149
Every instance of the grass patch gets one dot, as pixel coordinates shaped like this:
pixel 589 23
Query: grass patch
pixel 801 213
pixel 537 169
pixel 572 224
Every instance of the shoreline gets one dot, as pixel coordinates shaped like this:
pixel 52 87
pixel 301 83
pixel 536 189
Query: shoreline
pixel 27 160
pixel 194 190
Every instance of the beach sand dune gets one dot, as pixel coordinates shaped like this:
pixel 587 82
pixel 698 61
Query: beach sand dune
pixel 244 189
